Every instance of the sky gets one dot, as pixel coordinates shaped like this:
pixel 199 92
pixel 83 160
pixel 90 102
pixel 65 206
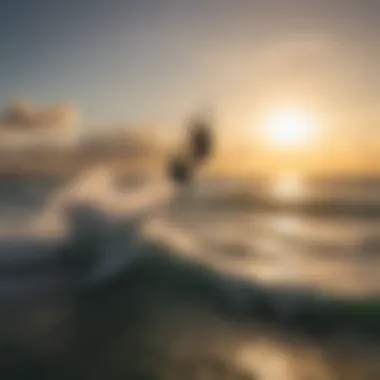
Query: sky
pixel 154 62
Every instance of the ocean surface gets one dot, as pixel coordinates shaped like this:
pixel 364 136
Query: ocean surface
pixel 322 234
pixel 166 319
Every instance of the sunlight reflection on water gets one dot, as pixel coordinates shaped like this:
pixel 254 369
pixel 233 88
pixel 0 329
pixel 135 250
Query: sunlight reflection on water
pixel 289 187
pixel 274 360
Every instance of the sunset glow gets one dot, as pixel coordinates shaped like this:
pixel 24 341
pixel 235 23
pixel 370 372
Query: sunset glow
pixel 288 187
pixel 288 128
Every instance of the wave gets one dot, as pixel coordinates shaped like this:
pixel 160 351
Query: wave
pixel 163 315
pixel 115 287
pixel 90 211
pixel 85 232
pixel 327 207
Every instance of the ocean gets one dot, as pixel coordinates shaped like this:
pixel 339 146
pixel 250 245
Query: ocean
pixel 321 237
pixel 323 234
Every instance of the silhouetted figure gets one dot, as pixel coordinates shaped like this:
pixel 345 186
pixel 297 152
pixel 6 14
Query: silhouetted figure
pixel 180 171
pixel 199 144
pixel 200 141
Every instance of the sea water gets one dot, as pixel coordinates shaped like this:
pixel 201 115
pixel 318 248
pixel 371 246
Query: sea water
pixel 288 232
pixel 263 231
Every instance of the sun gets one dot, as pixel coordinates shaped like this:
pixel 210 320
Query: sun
pixel 288 128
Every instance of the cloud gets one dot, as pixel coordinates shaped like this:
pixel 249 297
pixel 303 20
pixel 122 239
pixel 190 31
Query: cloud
pixel 140 139
pixel 24 116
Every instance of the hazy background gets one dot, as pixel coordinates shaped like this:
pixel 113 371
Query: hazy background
pixel 152 63
pixel 265 267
